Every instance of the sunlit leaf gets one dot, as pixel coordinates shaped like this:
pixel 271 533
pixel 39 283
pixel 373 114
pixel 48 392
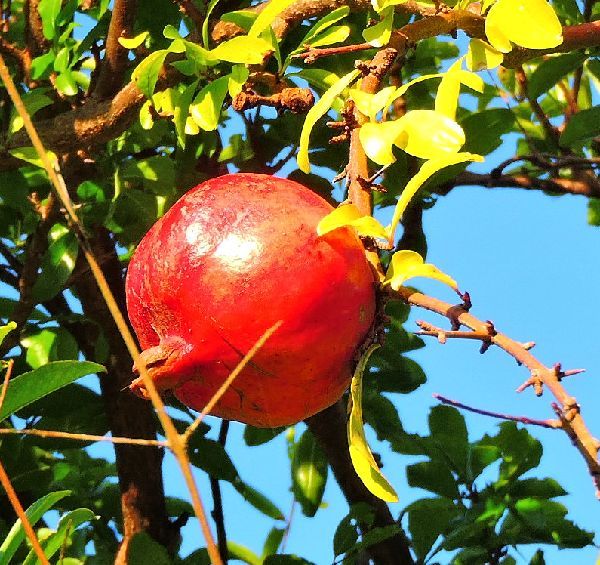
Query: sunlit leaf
pixel 408 264
pixel 266 17
pixel 446 100
pixel 377 139
pixel 34 101
pixel 482 55
pixel 379 5
pixel 242 49
pixel 145 74
pixel 206 107
pixel 318 110
pixel 30 155
pixel 362 459
pixel 428 134
pixel 238 76
pixel 133 42
pixel 31 386
pixel 428 169
pixel 49 10
pixel 371 104
pixel 528 23
pixel 348 215
pixel 5 330
pixel 335 34
pixel 323 24
pixel 379 34
pixel 205 23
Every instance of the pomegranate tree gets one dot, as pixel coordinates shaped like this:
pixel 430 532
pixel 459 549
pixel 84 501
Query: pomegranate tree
pixel 234 256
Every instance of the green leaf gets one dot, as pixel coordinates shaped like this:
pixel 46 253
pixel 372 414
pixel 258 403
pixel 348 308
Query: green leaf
pixel 205 23
pixel 49 10
pixel 31 386
pixel 309 473
pixel 143 550
pixel 379 34
pixel 433 476
pixel 520 450
pixel 594 211
pixel 257 436
pixel 273 541
pixel 550 71
pixel 449 431
pixel 56 267
pixel 581 128
pixel 30 155
pixel 182 110
pixel 210 456
pixel 407 264
pixel 59 539
pixel 133 42
pixel 538 558
pixel 146 73
pixel 242 553
pixel 428 518
pixel 266 16
pixel 537 488
pixel 483 130
pixel 205 110
pixel 258 500
pixel 318 110
pixel 335 34
pixel 362 458
pixel 242 49
pixel 49 344
pixel 427 170
pixel 16 535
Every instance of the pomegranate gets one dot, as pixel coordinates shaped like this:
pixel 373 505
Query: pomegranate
pixel 230 259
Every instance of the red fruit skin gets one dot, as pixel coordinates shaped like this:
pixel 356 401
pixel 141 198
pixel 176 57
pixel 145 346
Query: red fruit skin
pixel 231 258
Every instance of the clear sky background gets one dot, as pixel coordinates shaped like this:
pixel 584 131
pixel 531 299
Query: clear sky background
pixel 532 265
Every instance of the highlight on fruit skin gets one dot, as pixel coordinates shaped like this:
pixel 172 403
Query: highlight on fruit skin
pixel 232 257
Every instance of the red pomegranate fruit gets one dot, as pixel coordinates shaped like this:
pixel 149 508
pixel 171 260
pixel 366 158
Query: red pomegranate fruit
pixel 230 259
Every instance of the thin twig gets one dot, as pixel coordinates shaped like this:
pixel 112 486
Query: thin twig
pixel 83 437
pixel 16 504
pixel 217 512
pixel 176 443
pixel 227 382
pixel 553 424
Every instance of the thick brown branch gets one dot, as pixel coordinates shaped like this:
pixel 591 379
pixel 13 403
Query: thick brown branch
pixel 34 30
pixel 329 427
pixel 115 59
pixel 296 100
pixel 549 377
pixel 558 185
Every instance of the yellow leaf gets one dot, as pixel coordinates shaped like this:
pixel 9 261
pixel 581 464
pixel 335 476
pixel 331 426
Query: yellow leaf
pixel 340 216
pixel 379 34
pixel 206 107
pixel 407 264
pixel 482 55
pixel 371 104
pixel 133 42
pixel 348 215
pixel 448 91
pixel 377 139
pixel 427 134
pixel 362 459
pixel 266 17
pixel 318 110
pixel 379 5
pixel 242 49
pixel 528 23
pixel 428 169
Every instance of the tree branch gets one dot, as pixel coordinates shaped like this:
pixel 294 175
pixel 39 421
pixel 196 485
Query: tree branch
pixel 115 59
pixel 541 375
pixel 555 184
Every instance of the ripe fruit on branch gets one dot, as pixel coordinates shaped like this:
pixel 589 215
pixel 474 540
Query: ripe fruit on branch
pixel 230 259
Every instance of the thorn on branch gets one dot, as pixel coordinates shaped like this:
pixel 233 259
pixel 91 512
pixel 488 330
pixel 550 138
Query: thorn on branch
pixel 560 374
pixel 536 381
